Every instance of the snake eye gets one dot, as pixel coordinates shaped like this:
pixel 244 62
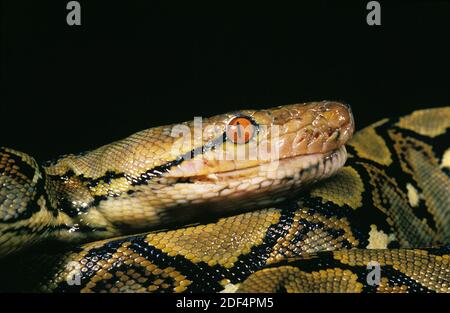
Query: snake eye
pixel 241 129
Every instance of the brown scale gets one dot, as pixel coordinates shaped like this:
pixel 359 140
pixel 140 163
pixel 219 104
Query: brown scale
pixel 293 280
pixel 430 122
pixel 138 275
pixel 403 145
pixel 314 240
pixel 431 271
pixel 417 158
pixel 386 196
pixel 370 145
pixel 346 188
pixel 14 202
pixel 217 243
pixel 386 287
pixel 419 266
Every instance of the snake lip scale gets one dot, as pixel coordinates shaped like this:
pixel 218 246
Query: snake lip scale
pixel 318 165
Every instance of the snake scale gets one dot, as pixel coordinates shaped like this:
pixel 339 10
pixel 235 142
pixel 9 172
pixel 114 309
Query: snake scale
pixel 156 213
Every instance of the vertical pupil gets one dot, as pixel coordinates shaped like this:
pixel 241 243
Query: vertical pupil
pixel 240 131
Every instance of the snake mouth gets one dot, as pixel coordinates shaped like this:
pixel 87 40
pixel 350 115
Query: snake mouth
pixel 312 166
pixel 298 169
pixel 267 184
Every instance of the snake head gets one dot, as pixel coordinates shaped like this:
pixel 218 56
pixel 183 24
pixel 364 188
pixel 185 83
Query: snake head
pixel 238 160
pixel 248 138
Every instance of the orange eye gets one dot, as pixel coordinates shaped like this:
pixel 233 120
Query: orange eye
pixel 240 130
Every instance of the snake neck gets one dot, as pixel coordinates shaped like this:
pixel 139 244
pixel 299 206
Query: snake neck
pixel 26 214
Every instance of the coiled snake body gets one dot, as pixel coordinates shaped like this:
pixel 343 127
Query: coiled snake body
pixel 210 223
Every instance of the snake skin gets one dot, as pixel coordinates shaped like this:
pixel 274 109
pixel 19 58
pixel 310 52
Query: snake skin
pixel 170 175
pixel 388 206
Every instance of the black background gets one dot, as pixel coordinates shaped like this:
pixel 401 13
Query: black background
pixel 138 64
pixel 282 302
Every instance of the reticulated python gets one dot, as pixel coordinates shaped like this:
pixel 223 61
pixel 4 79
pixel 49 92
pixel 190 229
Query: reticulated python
pixel 262 224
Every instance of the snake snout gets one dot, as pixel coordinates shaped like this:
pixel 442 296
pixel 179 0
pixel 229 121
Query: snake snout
pixel 339 117
pixel 324 127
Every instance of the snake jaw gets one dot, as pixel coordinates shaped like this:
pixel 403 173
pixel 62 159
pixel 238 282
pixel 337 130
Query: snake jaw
pixel 250 188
